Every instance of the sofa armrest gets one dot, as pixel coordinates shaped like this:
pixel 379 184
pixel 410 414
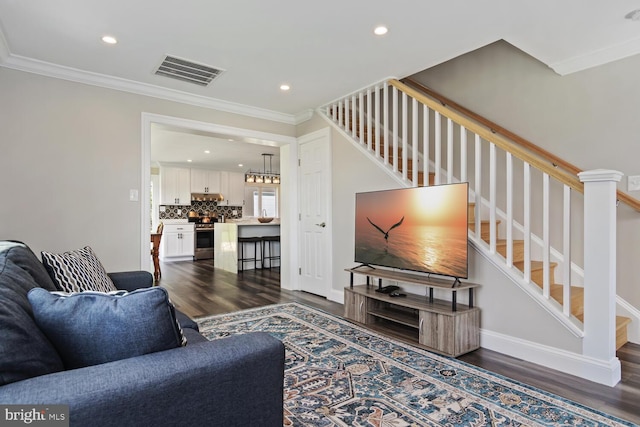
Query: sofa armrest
pixel 132 280
pixel 234 381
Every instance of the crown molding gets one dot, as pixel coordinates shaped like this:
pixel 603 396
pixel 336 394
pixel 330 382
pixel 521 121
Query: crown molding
pixel 597 57
pixel 29 65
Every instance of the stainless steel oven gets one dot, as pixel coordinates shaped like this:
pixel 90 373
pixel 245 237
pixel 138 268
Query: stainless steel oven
pixel 203 241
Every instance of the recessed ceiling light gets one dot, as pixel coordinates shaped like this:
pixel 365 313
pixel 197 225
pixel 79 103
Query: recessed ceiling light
pixel 240 165
pixel 230 139
pixel 285 87
pixel 207 152
pixel 189 160
pixel 380 30
pixel 109 40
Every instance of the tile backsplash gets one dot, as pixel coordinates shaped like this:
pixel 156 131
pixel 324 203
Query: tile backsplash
pixel 171 211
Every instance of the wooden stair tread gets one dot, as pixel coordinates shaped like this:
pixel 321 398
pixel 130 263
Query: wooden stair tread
pixel 535 265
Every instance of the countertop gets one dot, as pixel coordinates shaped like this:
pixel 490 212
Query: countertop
pixel 253 221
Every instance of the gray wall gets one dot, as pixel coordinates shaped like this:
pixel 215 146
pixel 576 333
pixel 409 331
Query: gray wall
pixel 69 155
pixel 588 118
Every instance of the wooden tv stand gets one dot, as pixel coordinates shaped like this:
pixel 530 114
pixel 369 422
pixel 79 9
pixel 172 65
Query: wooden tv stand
pixel 440 325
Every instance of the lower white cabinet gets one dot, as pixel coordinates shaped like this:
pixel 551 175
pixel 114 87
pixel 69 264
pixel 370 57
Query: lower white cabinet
pixel 177 241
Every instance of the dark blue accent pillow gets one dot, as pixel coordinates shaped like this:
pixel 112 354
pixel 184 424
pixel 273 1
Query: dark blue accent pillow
pixel 25 351
pixel 89 328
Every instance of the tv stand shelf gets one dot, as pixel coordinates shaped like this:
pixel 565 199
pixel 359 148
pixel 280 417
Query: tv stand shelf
pixel 441 325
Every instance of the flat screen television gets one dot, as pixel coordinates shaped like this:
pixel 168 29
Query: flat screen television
pixel 420 229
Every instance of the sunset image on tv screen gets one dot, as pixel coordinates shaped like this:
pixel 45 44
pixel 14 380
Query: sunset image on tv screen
pixel 420 229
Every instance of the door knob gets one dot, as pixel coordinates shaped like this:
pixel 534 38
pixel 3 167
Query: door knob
pixel 322 224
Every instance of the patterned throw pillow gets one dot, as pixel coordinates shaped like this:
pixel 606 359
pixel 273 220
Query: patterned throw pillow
pixel 77 271
pixel 89 328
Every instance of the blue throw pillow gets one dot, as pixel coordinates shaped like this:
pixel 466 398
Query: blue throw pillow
pixel 89 328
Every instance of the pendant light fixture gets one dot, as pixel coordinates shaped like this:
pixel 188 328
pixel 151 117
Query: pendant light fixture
pixel 264 176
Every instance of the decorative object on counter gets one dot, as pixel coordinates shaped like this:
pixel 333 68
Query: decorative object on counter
pixel 264 176
pixel 264 218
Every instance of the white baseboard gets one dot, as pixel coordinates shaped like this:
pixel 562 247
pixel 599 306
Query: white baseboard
pixel 336 295
pixel 599 371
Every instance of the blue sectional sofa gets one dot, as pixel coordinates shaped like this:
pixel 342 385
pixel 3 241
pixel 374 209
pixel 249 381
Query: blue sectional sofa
pixel 235 381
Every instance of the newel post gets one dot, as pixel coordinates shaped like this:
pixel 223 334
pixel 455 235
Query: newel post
pixel 600 270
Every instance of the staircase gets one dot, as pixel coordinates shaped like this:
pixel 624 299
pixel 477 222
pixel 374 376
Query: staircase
pixel 537 277
pixel 413 136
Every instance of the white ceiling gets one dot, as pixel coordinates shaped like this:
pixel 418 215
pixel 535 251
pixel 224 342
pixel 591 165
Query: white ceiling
pixel 177 146
pixel 323 49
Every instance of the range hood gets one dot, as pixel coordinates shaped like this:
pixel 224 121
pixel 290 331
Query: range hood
pixel 206 197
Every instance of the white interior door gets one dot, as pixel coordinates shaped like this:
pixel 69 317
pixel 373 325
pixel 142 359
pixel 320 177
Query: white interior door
pixel 315 210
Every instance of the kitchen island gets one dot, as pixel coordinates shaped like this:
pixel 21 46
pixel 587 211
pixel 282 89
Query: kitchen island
pixel 226 240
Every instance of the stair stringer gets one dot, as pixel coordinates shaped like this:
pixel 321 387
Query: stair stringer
pixel 515 275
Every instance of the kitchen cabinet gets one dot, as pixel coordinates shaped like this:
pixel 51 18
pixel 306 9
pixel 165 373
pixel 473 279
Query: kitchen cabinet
pixel 232 188
pixel 205 181
pixel 175 186
pixel 178 241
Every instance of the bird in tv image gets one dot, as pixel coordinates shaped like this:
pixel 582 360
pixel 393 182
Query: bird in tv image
pixel 420 229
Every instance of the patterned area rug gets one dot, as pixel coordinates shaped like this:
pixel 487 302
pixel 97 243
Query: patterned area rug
pixel 340 374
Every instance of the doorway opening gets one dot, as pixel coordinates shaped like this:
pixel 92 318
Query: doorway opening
pixel 287 208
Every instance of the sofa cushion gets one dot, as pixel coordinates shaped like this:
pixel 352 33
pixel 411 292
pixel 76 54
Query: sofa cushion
pixel 78 270
pixel 89 328
pixel 25 351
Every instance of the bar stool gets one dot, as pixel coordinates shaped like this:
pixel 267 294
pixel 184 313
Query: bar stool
pixel 270 240
pixel 241 259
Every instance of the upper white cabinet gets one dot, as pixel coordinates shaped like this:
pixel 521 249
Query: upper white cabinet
pixel 205 181
pixel 232 188
pixel 175 186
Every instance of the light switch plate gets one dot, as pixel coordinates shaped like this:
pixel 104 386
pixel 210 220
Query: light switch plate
pixel 633 183
pixel 133 195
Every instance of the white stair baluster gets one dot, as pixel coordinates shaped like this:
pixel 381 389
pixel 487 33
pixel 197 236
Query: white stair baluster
pixel 395 129
pixel 386 130
pixel 378 120
pixel 478 187
pixel 449 151
pixel 527 222
pixel 492 198
pixel 414 142
pixel 509 224
pixel 566 252
pixel 405 136
pixel 347 116
pixel 546 262
pixel 361 117
pixel 369 116
pixel 463 154
pixel 354 112
pixel 438 147
pixel 425 144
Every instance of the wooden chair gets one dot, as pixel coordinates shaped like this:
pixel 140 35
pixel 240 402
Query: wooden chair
pixel 155 251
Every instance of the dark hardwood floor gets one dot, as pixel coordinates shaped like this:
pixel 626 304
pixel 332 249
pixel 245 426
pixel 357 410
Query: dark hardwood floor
pixel 198 289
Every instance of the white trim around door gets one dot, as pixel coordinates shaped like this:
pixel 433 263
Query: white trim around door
pixel 288 170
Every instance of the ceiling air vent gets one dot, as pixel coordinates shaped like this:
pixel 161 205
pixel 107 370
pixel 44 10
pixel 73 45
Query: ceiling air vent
pixel 187 71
